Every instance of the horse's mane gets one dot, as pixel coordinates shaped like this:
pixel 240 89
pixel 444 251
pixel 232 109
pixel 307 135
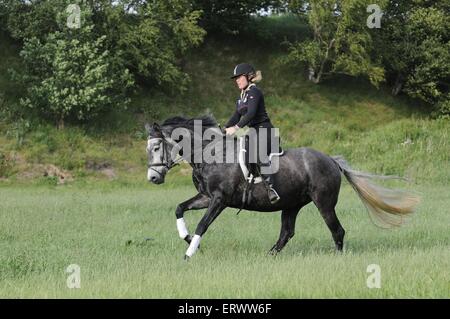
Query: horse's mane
pixel 207 121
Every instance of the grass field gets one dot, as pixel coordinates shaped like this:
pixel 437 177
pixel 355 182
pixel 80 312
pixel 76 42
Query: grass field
pixel 125 241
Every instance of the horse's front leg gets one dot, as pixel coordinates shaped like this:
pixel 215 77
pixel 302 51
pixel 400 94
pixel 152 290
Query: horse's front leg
pixel 215 207
pixel 199 201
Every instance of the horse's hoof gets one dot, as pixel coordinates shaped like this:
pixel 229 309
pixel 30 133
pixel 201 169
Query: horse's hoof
pixel 273 251
pixel 339 248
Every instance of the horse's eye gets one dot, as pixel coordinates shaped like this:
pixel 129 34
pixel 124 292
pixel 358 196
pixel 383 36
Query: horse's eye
pixel 156 148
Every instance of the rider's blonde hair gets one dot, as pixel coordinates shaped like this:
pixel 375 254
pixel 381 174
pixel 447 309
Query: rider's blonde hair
pixel 256 78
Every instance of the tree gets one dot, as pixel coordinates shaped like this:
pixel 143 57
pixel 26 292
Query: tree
pixel 70 75
pixel 341 44
pixel 153 39
pixel 27 19
pixel 147 37
pixel 3 15
pixel 415 45
pixel 229 16
pixel 75 74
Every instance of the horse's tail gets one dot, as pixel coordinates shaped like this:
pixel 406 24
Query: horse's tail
pixel 387 207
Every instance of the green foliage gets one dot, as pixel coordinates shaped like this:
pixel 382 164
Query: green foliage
pixel 275 30
pixel 229 16
pixel 2 106
pixel 442 107
pixel 70 75
pixel 415 44
pixel 18 131
pixel 3 16
pixel 154 40
pixel 77 74
pixel 341 43
pixel 10 92
pixel 354 43
pixel 26 19
pixel 6 164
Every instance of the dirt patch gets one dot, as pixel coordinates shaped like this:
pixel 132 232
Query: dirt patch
pixel 102 166
pixel 109 173
pixel 53 171
pixel 45 170
pixel 97 165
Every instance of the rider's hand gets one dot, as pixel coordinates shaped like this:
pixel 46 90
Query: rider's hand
pixel 231 130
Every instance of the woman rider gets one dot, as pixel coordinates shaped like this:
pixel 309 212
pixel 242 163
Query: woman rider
pixel 251 111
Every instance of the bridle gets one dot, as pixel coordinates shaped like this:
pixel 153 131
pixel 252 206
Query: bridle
pixel 166 159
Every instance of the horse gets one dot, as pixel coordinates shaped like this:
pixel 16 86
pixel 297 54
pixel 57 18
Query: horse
pixel 304 175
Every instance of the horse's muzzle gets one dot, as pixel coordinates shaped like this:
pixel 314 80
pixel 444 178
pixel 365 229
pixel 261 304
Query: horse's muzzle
pixel 156 180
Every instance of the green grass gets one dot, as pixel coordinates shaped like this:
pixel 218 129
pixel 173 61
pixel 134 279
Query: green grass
pixel 103 230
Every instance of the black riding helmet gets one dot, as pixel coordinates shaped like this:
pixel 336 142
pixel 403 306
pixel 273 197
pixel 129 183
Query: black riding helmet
pixel 243 69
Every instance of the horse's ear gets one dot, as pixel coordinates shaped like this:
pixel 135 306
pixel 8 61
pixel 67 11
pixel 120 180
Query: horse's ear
pixel 152 129
pixel 147 128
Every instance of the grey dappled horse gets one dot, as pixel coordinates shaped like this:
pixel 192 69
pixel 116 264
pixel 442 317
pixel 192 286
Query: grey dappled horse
pixel 304 175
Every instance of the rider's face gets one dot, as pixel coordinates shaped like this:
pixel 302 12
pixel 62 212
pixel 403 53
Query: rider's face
pixel 241 82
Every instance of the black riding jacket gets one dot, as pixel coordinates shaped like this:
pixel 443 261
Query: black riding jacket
pixel 250 109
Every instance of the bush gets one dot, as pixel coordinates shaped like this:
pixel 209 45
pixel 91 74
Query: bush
pixel 415 44
pixel 341 43
pixel 153 42
pixel 6 164
pixel 443 107
pixel 229 16
pixel 18 130
pixel 70 75
pixel 78 74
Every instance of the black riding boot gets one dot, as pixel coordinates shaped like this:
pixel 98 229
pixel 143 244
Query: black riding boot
pixel 273 195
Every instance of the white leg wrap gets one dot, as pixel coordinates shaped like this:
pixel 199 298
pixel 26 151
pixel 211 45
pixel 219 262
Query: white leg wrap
pixel 193 246
pixel 181 226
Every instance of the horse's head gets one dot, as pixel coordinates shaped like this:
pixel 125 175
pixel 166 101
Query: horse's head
pixel 175 136
pixel 159 153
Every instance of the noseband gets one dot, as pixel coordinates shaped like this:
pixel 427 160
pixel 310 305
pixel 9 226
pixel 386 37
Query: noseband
pixel 166 161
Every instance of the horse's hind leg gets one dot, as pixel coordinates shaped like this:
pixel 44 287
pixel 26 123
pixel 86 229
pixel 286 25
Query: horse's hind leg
pixel 326 208
pixel 288 218
pixel 337 231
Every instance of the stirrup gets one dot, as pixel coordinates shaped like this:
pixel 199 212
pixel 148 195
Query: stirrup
pixel 272 199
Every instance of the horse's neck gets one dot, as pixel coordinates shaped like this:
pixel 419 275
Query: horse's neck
pixel 223 155
pixel 200 146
